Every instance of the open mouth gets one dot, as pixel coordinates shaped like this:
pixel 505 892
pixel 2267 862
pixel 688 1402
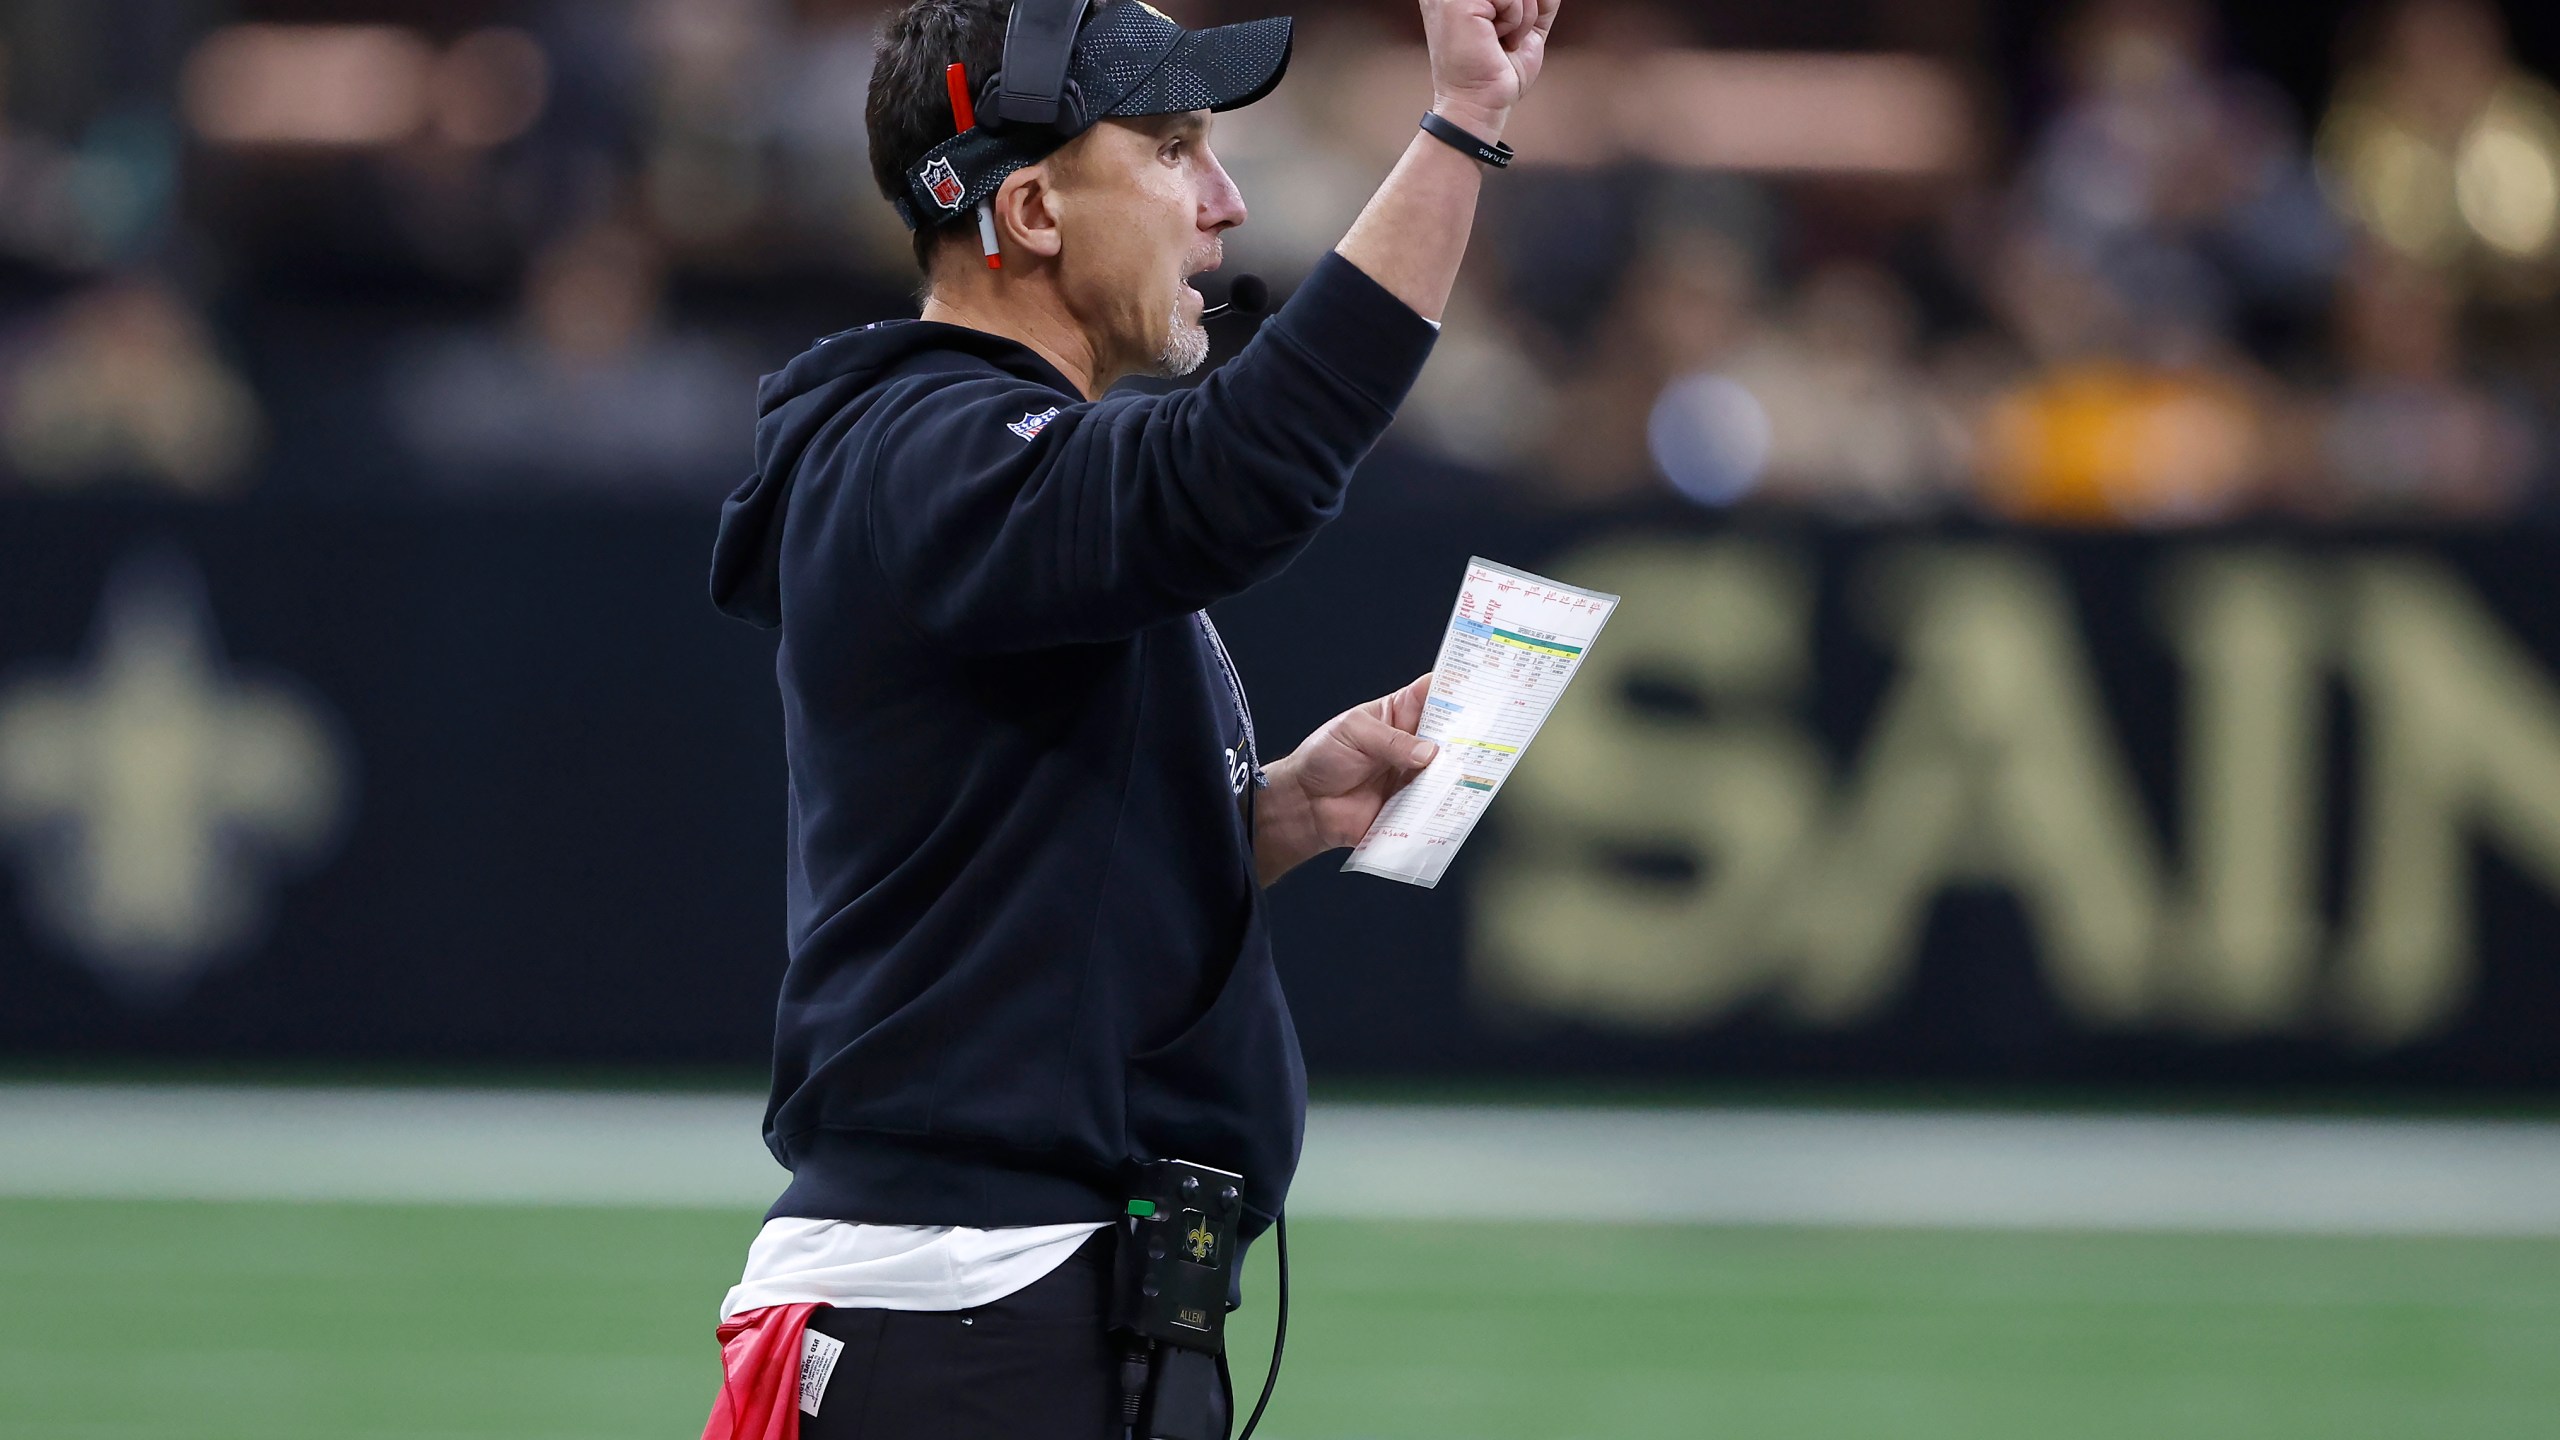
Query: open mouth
pixel 1199 301
pixel 1195 271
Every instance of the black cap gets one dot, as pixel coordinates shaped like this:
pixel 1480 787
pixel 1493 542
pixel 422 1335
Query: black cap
pixel 1130 59
pixel 1134 54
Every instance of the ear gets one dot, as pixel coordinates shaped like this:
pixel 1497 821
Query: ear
pixel 1027 211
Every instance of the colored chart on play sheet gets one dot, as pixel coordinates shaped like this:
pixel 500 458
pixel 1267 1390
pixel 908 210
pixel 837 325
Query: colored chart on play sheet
pixel 1514 642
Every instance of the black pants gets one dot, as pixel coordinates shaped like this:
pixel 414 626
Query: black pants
pixel 1035 1365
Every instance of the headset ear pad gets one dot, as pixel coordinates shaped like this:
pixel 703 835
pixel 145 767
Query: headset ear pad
pixel 1071 120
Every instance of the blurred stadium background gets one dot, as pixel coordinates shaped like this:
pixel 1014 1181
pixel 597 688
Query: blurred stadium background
pixel 2036 921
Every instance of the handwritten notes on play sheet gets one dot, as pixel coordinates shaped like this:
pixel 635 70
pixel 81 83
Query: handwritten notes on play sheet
pixel 1514 642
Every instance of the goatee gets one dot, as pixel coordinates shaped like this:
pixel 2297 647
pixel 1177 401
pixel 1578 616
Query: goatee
pixel 1186 348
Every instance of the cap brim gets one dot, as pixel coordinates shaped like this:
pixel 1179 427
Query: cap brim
pixel 1219 68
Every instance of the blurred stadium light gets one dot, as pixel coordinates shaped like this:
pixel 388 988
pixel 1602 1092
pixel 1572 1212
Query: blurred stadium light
pixel 1880 115
pixel 308 85
pixel 362 86
pixel 1760 112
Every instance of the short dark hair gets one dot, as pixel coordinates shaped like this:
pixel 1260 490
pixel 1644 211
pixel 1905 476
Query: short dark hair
pixel 909 109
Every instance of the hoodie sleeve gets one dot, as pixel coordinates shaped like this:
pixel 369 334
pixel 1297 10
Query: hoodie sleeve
pixel 1112 515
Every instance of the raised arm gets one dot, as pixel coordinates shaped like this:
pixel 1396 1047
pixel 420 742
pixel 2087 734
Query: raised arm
pixel 1485 54
pixel 1135 509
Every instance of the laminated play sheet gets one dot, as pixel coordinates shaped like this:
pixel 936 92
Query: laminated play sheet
pixel 1514 642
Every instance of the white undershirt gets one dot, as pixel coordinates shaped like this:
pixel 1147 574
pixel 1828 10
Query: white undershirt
pixel 895 1267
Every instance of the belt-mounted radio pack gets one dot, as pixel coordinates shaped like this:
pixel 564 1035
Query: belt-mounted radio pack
pixel 1176 1268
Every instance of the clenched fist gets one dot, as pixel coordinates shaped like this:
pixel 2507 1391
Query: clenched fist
pixel 1485 55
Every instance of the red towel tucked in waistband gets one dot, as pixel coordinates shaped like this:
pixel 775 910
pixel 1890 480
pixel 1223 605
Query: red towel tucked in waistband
pixel 760 1375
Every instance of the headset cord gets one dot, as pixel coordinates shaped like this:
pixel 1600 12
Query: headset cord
pixel 1279 1328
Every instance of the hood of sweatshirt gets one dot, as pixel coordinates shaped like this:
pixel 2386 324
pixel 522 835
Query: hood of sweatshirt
pixel 796 403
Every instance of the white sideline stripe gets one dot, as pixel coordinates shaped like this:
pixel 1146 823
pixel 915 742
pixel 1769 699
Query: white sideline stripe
pixel 1939 1170
pixel 1746 1167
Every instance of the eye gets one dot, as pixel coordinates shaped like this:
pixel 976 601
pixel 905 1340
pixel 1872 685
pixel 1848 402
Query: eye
pixel 1172 151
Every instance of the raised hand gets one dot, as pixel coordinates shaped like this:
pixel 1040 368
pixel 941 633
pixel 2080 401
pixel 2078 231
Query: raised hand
pixel 1485 54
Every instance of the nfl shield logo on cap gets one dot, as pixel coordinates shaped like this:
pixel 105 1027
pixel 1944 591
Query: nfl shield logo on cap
pixel 943 183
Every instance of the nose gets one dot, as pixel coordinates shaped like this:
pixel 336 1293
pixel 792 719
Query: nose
pixel 1221 203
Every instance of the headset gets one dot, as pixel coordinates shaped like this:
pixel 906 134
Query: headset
pixel 1033 90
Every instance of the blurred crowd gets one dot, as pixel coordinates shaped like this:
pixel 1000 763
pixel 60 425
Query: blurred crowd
pixel 527 248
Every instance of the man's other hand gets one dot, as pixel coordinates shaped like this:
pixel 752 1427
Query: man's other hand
pixel 1326 793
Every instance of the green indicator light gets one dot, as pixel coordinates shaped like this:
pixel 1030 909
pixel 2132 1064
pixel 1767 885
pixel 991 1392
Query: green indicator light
pixel 1142 1208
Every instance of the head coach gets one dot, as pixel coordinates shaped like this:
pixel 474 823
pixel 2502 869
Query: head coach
pixel 1029 822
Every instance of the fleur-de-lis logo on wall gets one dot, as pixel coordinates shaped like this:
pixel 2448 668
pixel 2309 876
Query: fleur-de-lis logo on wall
pixel 152 794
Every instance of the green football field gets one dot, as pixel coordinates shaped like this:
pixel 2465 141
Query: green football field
pixel 130 1320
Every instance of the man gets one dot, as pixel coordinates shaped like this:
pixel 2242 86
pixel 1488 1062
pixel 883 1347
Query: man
pixel 1029 820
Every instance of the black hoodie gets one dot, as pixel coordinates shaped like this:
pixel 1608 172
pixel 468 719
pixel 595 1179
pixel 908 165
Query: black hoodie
pixel 1027 944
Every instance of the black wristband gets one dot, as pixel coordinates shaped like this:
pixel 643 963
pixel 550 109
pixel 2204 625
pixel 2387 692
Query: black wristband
pixel 1441 127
